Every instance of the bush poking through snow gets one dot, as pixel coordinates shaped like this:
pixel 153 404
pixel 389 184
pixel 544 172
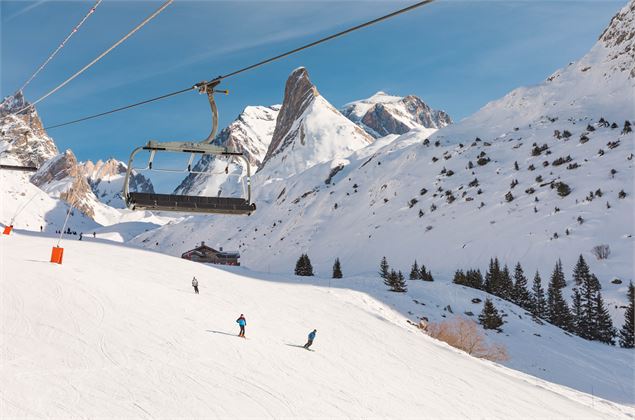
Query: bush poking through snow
pixel 601 252
pixel 464 334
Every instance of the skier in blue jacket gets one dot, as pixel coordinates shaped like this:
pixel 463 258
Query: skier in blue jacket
pixel 241 322
pixel 311 338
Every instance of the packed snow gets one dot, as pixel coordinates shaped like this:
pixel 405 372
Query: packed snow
pixel 118 332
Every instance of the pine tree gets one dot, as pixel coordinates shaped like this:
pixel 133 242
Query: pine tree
pixel 337 269
pixel 424 274
pixel 400 283
pixel 538 303
pixel 414 272
pixel 576 312
pixel 604 325
pixel 492 277
pixel 557 310
pixel 627 333
pixel 505 285
pixel 586 324
pixel 303 266
pixel 521 296
pixel 299 266
pixel 474 279
pixel 384 269
pixel 459 278
pixel 391 279
pixel 557 277
pixel 489 317
pixel 580 271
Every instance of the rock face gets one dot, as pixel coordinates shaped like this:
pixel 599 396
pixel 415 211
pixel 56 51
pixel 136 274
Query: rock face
pixel 619 36
pixel 383 114
pixel 106 181
pixel 61 177
pixel 309 130
pixel 251 134
pixel 23 140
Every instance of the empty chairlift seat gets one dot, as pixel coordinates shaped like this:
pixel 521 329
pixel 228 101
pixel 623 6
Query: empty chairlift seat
pixel 189 204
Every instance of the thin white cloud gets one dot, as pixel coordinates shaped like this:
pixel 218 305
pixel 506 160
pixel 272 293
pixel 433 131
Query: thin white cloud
pixel 26 9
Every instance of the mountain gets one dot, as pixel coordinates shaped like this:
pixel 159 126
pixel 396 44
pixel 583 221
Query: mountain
pixel 309 130
pixel 23 141
pixel 117 332
pixel 106 181
pixel 544 173
pixel 251 134
pixel 383 114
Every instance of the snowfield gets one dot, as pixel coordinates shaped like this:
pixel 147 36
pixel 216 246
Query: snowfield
pixel 118 332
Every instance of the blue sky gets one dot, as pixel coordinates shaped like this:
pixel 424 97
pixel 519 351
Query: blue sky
pixel 455 55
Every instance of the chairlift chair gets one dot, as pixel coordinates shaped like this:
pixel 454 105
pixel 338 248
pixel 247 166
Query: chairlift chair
pixel 189 203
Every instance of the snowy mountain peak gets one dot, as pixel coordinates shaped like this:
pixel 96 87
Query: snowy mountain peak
pixel 384 114
pixel 309 130
pixel 251 134
pixel 106 180
pixel 619 36
pixel 23 140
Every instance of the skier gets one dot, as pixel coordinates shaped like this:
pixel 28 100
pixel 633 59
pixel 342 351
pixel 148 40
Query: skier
pixel 41 228
pixel 94 234
pixel 81 235
pixel 195 285
pixel 311 338
pixel 241 322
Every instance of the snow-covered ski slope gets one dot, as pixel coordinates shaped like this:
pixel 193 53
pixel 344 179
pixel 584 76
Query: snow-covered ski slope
pixel 118 332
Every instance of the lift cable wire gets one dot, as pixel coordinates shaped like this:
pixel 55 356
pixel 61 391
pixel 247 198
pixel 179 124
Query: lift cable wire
pixel 50 57
pixel 102 55
pixel 216 80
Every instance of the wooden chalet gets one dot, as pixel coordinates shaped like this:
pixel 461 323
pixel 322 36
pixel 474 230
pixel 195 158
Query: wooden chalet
pixel 206 254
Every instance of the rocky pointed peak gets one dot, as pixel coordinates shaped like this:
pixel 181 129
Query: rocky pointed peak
pixel 22 138
pixel 384 114
pixel 12 103
pixel 309 130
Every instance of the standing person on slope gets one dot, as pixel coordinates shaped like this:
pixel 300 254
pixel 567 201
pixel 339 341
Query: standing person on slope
pixel 311 338
pixel 241 322
pixel 195 285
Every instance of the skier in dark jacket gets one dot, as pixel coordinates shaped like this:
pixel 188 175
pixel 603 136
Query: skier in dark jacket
pixel 311 338
pixel 241 322
pixel 195 285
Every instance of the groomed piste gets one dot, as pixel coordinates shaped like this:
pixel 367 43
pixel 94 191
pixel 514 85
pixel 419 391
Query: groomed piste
pixel 118 332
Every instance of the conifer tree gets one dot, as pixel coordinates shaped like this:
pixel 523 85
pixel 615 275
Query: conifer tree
pixel 337 269
pixel 557 310
pixel 538 303
pixel 424 274
pixel 489 317
pixel 604 325
pixel 627 333
pixel 459 278
pixel 299 266
pixel 520 294
pixel 384 269
pixel 492 277
pixel 576 312
pixel 400 283
pixel 557 277
pixel 391 279
pixel 586 324
pixel 505 285
pixel 414 272
pixel 581 271
pixel 303 266
pixel 474 279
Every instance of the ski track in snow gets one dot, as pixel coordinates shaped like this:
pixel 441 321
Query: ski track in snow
pixel 110 333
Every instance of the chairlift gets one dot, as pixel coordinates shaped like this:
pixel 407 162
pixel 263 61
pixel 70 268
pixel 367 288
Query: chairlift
pixel 19 168
pixel 189 203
